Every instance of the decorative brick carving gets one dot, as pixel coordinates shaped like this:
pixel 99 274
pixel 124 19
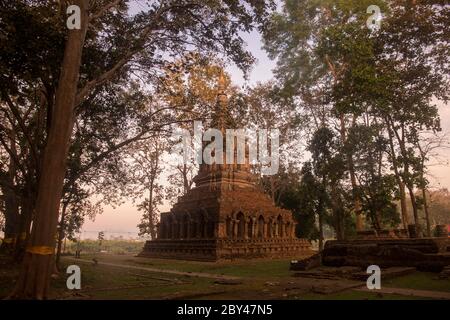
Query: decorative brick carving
pixel 225 216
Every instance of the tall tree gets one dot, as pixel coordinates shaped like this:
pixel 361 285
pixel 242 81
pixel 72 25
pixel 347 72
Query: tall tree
pixel 428 146
pixel 329 166
pixel 267 110
pixel 147 39
pixel 376 186
pixel 316 43
pixel 328 58
pixel 191 89
pixel 412 69
pixel 147 166
pixel 35 273
pixel 309 202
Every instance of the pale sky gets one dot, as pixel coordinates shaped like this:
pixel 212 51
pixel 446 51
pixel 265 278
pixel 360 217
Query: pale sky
pixel 125 218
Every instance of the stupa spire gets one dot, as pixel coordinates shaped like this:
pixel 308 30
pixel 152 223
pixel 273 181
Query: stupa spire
pixel 222 102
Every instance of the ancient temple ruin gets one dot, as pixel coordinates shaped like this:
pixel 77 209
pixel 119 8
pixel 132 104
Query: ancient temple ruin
pixel 225 216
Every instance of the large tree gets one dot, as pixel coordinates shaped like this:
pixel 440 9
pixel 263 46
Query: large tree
pixel 112 43
pixel 344 75
pixel 147 166
pixel 317 43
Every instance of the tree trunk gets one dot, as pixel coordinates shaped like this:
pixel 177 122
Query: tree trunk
pixel 337 213
pixel 376 223
pixel 427 213
pixel 415 211
pixel 320 232
pixel 151 213
pixel 403 207
pixel 351 169
pixel 356 200
pixel 406 177
pixel 11 223
pixel 186 185
pixel 61 234
pixel 11 202
pixel 34 278
pixel 408 180
pixel 401 185
pixel 25 219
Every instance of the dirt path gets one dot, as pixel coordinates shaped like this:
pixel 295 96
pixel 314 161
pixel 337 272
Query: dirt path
pixel 411 292
pixel 180 273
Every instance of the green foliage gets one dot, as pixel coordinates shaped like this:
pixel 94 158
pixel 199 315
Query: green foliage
pixel 438 206
pixel 301 198
pixel 376 188
pixel 367 95
pixel 123 56
pixel 329 167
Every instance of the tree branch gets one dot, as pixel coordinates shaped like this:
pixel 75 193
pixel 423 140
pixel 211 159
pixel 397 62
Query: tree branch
pixel 103 10
pixel 138 46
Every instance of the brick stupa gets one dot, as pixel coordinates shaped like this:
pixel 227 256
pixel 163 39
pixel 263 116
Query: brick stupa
pixel 225 216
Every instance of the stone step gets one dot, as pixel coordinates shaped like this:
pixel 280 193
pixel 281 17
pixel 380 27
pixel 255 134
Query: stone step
pixel 445 273
pixel 387 273
pixel 424 254
pixel 352 273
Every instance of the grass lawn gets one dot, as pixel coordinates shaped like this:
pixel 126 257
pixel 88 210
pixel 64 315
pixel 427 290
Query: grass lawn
pixel 261 279
pixel 101 276
pixel 357 295
pixel 247 269
pixel 420 281
pixel 105 282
